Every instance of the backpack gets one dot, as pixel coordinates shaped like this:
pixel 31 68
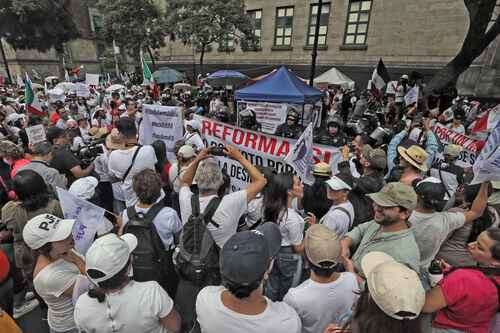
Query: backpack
pixel 149 257
pixel 196 258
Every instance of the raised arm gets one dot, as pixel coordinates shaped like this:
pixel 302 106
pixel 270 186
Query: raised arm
pixel 478 205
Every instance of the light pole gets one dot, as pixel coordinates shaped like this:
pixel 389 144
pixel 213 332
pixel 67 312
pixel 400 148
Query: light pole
pixel 315 45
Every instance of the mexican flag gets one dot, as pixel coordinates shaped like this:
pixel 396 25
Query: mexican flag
pixel 148 79
pixel 33 105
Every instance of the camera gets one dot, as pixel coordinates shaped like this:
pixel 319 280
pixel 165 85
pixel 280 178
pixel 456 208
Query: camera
pixel 88 153
pixel 217 151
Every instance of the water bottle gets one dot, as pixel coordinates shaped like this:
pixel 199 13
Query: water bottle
pixel 435 273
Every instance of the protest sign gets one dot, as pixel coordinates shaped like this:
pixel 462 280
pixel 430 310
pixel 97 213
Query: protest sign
pixel 92 79
pixel 301 156
pixel 260 149
pixel 487 166
pixel 471 147
pixel 35 134
pixel 392 87
pixel 268 115
pixel 161 123
pixel 82 90
pixel 88 217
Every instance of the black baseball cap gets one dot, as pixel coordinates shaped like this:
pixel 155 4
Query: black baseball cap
pixel 246 255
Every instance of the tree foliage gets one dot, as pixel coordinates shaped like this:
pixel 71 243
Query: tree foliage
pixel 133 24
pixel 483 29
pixel 201 23
pixel 36 24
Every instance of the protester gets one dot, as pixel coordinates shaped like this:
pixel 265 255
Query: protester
pixel 412 163
pixel 126 162
pixel 450 174
pixel 291 128
pixel 432 227
pixel 239 304
pixel 63 159
pixel 57 267
pixel 41 154
pixel 389 232
pixel 118 303
pixel 315 199
pixel 193 136
pixel 466 300
pixel 326 296
pixel 13 155
pixel 185 155
pixel 286 271
pixel 147 186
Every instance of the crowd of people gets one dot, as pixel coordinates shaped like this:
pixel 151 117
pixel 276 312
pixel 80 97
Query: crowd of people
pixel 396 241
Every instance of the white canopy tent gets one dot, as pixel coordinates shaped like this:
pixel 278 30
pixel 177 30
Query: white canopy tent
pixel 334 76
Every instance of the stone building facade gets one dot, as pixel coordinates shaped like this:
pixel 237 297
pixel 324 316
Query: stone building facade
pixel 418 35
pixel 82 51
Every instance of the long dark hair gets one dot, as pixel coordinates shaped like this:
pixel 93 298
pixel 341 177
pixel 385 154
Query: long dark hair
pixel 315 197
pixel 368 317
pixel 161 154
pixel 114 282
pixel 31 190
pixel 276 196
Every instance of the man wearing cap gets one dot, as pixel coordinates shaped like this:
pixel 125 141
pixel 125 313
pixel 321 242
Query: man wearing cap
pixel 332 135
pixel 185 155
pixel 41 156
pixel 291 128
pixel 326 296
pixel 121 304
pixel 340 216
pixel 62 158
pixel 239 304
pixel 450 174
pixel 389 232
pixel 413 163
pixel 315 198
pixel 373 162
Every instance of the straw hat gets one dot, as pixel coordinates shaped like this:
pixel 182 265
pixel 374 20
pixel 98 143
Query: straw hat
pixel 115 140
pixel 97 133
pixel 322 169
pixel 415 155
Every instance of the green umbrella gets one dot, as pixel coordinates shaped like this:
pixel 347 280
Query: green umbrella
pixel 168 75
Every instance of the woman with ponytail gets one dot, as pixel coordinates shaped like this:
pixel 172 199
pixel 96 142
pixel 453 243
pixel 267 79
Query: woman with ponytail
pixel 117 303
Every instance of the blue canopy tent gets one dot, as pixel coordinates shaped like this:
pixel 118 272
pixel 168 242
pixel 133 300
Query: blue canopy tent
pixel 281 86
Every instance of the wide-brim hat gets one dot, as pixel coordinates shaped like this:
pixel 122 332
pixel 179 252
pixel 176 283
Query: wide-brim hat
pixel 416 156
pixel 322 169
pixel 115 140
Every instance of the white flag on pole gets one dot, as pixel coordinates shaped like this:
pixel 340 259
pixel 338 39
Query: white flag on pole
pixel 87 215
pixel 20 81
pixel 411 96
pixel 300 156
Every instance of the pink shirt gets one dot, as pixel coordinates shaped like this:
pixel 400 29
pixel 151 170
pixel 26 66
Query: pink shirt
pixel 17 165
pixel 472 300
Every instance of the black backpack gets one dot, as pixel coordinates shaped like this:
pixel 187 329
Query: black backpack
pixel 150 256
pixel 196 258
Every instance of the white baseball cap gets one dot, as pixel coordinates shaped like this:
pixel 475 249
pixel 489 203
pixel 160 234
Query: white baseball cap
pixel 187 151
pixel 84 188
pixel 394 287
pixel 195 124
pixel 337 184
pixel 108 255
pixel 46 228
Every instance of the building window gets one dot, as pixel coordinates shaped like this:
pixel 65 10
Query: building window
pixel 96 20
pixel 226 44
pixel 323 23
pixel 256 18
pixel 358 17
pixel 284 26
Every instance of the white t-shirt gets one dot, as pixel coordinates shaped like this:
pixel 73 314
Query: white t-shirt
pixel 119 162
pixel 50 283
pixel 255 211
pixel 227 215
pixel 175 175
pixel 215 317
pixel 167 222
pixel 138 307
pixel 292 227
pixel 319 304
pixel 336 218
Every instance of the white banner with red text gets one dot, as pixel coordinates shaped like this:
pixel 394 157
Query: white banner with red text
pixel 260 149
pixel 471 147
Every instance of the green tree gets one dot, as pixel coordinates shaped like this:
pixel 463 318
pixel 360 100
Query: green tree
pixel 484 27
pixel 37 24
pixel 134 25
pixel 200 23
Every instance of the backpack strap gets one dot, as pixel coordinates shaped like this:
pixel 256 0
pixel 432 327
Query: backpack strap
pixel 132 163
pixel 195 204
pixel 210 211
pixel 342 209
